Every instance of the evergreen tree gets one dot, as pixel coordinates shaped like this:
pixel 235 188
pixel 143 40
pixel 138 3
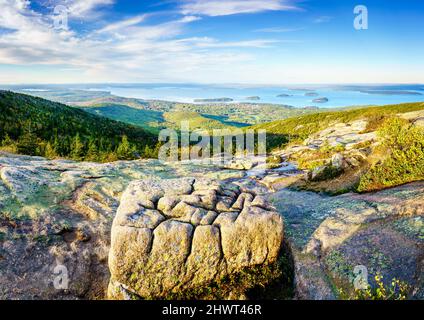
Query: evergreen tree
pixel 147 151
pixel 125 151
pixel 109 157
pixel 92 152
pixel 50 151
pixel 77 148
pixel 7 141
pixel 8 144
pixel 27 144
pixel 155 153
pixel 56 146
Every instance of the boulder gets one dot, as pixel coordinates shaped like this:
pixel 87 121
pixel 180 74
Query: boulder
pixel 239 164
pixel 347 135
pixel 198 233
pixel 338 161
pixel 317 173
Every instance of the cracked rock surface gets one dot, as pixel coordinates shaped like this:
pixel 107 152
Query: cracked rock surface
pixel 174 235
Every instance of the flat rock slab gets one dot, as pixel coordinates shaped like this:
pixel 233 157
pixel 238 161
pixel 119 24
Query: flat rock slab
pixel 383 231
pixel 179 235
pixel 60 212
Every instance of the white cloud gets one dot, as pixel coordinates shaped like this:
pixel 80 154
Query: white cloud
pixel 77 9
pixel 223 8
pixel 124 23
pixel 127 50
pixel 21 4
pixel 15 14
pixel 187 19
pixel 85 8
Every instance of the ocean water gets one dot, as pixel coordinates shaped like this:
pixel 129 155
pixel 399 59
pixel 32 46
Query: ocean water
pixel 299 96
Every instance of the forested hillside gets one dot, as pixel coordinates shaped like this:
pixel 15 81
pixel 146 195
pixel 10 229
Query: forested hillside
pixel 35 126
pixel 150 120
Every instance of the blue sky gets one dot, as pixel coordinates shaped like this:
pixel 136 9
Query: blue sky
pixel 210 41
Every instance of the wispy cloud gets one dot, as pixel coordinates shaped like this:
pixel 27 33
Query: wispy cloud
pixel 187 19
pixel 124 23
pixel 222 8
pixel 84 8
pixel 79 9
pixel 207 42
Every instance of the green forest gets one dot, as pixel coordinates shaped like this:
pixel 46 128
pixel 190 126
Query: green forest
pixel 38 127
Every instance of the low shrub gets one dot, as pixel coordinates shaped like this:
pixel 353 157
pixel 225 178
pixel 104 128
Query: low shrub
pixel 397 290
pixel 403 150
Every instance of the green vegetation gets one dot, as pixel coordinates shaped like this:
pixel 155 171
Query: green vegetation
pixel 148 119
pixel 299 128
pixel 327 173
pixel 244 113
pixel 398 159
pixel 412 227
pixel 397 290
pixel 151 114
pixel 225 120
pixel 403 151
pixel 34 126
pixel 316 158
pixel 196 121
pixel 339 267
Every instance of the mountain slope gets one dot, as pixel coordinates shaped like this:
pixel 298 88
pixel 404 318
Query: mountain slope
pixel 150 120
pixel 196 121
pixel 300 128
pixel 36 126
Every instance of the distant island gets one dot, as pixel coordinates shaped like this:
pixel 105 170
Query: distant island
pixel 283 95
pixel 392 92
pixel 320 100
pixel 311 94
pixel 254 98
pixel 213 100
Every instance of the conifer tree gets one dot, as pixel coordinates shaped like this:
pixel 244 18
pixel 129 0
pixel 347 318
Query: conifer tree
pixel 125 151
pixel 27 144
pixel 92 152
pixel 50 151
pixel 7 141
pixel 77 148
